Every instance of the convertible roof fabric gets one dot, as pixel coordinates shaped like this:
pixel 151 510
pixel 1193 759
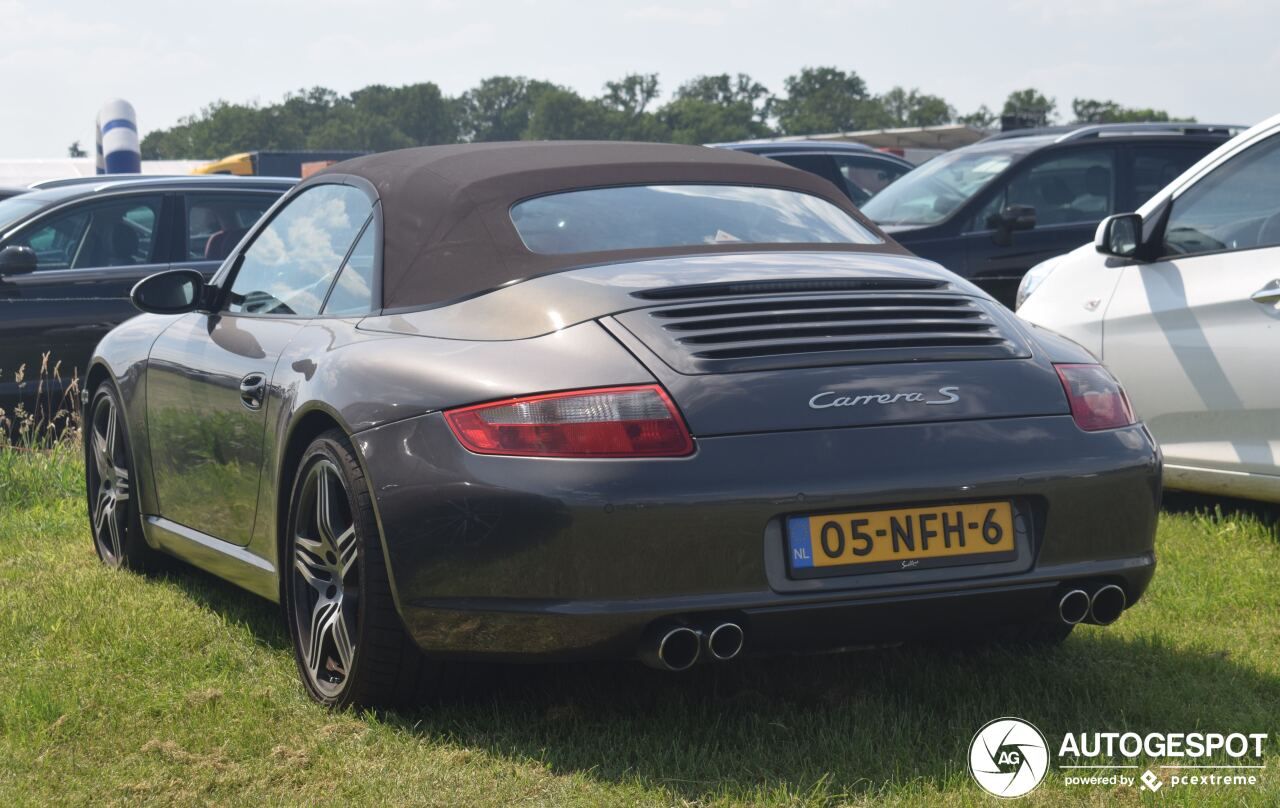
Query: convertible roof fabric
pixel 447 229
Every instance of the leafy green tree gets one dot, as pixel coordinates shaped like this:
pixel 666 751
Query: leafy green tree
pixel 626 102
pixel 717 109
pixel 418 112
pixel 562 114
pixel 694 121
pixel 500 107
pixel 914 108
pixel 1031 107
pixel 1089 110
pixel 826 99
pixel 981 118
pixel 346 128
pixel 631 94
pixel 705 109
pixel 727 90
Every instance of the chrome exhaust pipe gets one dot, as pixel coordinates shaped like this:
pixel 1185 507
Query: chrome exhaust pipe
pixel 1073 607
pixel 724 642
pixel 672 648
pixel 1106 605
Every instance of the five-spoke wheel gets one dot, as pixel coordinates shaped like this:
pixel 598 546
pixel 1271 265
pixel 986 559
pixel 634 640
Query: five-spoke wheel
pixel 113 516
pixel 348 640
pixel 326 590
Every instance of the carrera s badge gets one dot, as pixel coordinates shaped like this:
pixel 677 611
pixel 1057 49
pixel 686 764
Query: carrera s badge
pixel 949 395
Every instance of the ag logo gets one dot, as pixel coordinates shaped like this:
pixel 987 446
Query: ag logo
pixel 1008 757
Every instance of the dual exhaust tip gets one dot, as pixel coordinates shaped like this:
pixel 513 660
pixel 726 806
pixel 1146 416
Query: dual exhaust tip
pixel 1101 608
pixel 678 648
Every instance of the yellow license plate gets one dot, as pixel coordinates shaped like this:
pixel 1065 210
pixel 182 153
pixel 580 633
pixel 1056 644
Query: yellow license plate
pixel 902 538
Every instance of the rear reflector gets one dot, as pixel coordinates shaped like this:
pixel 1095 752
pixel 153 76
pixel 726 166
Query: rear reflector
pixel 1097 399
pixel 606 422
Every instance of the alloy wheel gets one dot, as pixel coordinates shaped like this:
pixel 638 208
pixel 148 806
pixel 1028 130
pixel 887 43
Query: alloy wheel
pixel 108 482
pixel 325 591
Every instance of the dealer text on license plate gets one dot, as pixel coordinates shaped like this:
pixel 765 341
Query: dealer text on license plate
pixel 902 538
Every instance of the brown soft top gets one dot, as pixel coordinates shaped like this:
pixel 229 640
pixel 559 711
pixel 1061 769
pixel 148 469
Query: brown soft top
pixel 447 229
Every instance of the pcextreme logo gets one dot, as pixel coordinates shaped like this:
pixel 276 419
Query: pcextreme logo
pixel 1008 757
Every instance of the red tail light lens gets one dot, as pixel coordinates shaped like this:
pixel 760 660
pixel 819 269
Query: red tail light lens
pixel 1097 399
pixel 607 422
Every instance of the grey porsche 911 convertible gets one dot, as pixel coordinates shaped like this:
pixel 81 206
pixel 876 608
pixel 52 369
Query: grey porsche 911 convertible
pixel 573 400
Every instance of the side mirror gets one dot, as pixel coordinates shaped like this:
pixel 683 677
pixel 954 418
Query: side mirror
pixel 174 292
pixel 16 260
pixel 1013 217
pixel 1119 235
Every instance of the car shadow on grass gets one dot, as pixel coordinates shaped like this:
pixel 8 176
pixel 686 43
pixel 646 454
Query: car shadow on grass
pixel 839 724
pixel 850 724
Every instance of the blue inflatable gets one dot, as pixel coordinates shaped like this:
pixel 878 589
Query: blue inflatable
pixel 117 139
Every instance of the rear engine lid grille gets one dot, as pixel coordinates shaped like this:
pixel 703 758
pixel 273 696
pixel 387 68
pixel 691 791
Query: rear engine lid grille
pixel 808 330
pixel 787 285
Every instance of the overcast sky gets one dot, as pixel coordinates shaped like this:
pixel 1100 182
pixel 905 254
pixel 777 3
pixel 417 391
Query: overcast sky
pixel 61 59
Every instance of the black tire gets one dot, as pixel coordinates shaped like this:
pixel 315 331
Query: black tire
pixel 115 520
pixel 329 580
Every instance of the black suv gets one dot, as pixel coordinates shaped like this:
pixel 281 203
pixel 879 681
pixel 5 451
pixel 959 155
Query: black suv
pixel 860 171
pixel 993 210
pixel 70 253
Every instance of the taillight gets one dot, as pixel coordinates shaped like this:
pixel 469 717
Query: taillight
pixel 1097 399
pixel 606 422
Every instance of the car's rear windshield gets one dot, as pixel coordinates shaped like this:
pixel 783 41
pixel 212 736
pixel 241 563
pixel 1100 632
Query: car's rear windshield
pixel 646 216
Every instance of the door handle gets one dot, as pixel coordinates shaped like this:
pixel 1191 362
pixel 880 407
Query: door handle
pixel 1267 294
pixel 252 390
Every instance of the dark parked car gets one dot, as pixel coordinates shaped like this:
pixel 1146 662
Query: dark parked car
pixel 69 256
pixel 569 400
pixel 860 171
pixel 991 211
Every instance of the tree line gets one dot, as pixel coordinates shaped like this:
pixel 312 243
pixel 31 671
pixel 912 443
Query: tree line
pixel 706 109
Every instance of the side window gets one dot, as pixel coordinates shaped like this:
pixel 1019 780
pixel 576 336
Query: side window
pixel 1235 207
pixel 864 177
pixel 291 262
pixel 820 164
pixel 353 292
pixel 1154 167
pixel 110 233
pixel 1073 187
pixel 216 222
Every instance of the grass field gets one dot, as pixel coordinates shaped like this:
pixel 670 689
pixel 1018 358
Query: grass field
pixel 119 688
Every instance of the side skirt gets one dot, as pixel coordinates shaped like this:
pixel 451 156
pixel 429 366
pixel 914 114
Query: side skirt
pixel 224 559
pixel 1221 482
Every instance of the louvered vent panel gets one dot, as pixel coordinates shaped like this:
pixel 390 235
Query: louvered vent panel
pixel 758 332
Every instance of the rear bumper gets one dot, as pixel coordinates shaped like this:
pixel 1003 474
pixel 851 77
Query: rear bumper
pixel 537 558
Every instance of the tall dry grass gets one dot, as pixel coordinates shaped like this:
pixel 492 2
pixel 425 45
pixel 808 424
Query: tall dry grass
pixel 54 417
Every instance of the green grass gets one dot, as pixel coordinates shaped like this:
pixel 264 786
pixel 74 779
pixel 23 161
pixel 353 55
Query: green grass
pixel 117 688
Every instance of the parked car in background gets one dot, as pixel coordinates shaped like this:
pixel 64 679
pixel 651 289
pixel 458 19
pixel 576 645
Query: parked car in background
pixel 991 211
pixel 1182 301
pixel 69 256
pixel 860 171
pixel 637 400
pixel 273 163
